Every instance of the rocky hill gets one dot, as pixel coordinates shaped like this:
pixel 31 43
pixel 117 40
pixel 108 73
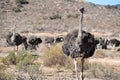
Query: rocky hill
pixel 58 15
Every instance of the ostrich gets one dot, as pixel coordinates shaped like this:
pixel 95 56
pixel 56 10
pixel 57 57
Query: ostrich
pixel 59 39
pixel 31 42
pixel 114 42
pixel 14 39
pixel 102 43
pixel 79 43
pixel 34 41
pixel 51 40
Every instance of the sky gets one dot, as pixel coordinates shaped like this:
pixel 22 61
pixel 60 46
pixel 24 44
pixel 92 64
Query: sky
pixel 105 2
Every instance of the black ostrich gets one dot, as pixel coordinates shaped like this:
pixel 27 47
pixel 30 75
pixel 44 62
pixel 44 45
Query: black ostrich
pixel 102 43
pixel 59 39
pixel 14 39
pixel 79 43
pixel 32 42
pixel 114 42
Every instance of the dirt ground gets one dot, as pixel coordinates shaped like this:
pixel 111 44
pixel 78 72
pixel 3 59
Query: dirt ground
pixel 51 73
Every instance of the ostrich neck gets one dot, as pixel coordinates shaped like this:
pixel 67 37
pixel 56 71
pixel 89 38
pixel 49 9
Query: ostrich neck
pixel 80 28
pixel 13 36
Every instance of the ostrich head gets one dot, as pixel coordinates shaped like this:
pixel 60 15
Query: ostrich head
pixel 82 10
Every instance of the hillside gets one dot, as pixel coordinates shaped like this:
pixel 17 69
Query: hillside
pixel 59 16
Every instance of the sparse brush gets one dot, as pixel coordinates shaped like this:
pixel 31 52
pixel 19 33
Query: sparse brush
pixel 100 54
pixel 6 76
pixel 16 9
pixel 55 16
pixel 54 56
pixel 74 15
pixel 21 56
pixel 101 71
pixel 10 59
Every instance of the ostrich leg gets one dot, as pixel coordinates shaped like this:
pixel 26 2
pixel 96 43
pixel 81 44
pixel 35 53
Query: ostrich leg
pixel 17 48
pixel 75 63
pixel 82 67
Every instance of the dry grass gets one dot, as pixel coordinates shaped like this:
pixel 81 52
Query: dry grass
pixel 101 53
pixel 54 56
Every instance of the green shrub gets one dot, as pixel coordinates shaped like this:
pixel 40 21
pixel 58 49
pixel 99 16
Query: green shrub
pixel 16 9
pixel 24 56
pixel 10 59
pixel 75 15
pixel 6 76
pixel 56 16
pixel 111 6
pixel 23 63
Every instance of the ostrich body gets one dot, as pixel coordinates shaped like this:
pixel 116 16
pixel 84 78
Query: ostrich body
pixel 32 42
pixel 79 43
pixel 114 42
pixel 14 39
pixel 87 47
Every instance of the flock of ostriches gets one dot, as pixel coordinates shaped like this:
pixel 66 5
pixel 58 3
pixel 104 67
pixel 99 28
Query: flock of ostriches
pixel 77 43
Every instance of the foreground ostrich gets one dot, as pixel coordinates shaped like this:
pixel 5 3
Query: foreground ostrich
pixel 79 43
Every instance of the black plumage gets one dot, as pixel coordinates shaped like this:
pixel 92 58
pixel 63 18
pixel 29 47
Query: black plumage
pixel 114 42
pixel 86 49
pixel 79 43
pixel 33 42
pixel 14 39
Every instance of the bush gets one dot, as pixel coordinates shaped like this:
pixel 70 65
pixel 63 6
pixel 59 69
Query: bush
pixel 16 9
pixel 22 1
pixel 100 71
pixel 56 16
pixel 10 59
pixel 6 76
pixel 75 15
pixel 111 6
pixel 54 56
pixel 3 74
pixel 22 56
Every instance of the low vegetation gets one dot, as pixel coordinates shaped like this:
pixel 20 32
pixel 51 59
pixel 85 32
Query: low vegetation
pixel 101 71
pixel 74 15
pixel 105 54
pixel 16 9
pixel 6 76
pixel 55 16
pixel 54 56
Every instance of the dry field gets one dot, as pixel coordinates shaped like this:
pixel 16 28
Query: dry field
pixel 42 18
